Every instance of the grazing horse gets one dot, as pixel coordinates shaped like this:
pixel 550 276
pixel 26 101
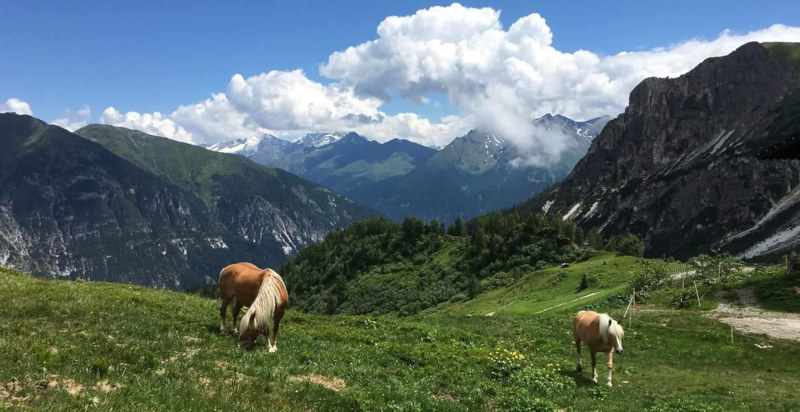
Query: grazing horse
pixel 601 334
pixel 263 291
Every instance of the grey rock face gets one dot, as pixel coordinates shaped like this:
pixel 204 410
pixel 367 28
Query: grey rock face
pixel 118 205
pixel 679 168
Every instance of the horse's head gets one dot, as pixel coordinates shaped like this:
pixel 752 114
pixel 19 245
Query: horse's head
pixel 249 334
pixel 615 334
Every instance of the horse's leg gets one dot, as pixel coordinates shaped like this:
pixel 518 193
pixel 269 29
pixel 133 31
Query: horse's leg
pixel 578 349
pixel 266 336
pixel 610 367
pixel 237 308
pixel 594 365
pixel 224 308
pixel 276 325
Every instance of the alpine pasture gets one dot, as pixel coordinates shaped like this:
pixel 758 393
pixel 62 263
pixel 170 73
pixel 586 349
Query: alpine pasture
pixel 86 345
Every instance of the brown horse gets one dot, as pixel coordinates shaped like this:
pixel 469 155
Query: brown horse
pixel 263 291
pixel 601 334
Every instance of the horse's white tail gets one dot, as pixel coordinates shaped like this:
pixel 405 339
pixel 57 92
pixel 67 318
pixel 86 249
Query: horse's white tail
pixel 264 305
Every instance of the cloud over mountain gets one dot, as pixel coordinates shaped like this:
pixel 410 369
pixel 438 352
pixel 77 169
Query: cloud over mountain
pixel 493 77
pixel 15 105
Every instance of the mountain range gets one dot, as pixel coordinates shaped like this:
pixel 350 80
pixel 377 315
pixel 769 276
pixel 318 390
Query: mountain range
pixel 476 173
pixel 114 204
pixel 706 160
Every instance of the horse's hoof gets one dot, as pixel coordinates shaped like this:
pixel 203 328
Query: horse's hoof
pixel 608 384
pixel 580 368
pixel 273 349
pixel 594 380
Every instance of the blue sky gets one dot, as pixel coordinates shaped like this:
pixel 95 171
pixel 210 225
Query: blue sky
pixel 149 56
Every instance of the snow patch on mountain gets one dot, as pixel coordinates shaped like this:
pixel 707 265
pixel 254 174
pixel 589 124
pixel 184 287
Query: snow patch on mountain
pixel 244 146
pixel 320 139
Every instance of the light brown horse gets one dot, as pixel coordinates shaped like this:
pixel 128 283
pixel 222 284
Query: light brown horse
pixel 265 294
pixel 601 334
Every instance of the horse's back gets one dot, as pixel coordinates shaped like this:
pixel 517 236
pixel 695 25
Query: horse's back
pixel 241 280
pixel 582 324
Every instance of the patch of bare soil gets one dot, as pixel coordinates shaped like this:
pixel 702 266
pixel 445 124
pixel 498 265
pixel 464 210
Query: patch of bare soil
pixel 186 355
pixel 751 318
pixel 104 386
pixel 8 391
pixel 72 387
pixel 333 384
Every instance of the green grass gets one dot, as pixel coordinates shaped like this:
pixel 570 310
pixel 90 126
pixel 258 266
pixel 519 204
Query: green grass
pixel 788 52
pixel 554 289
pixel 780 294
pixel 160 350
pixel 773 288
pixel 374 171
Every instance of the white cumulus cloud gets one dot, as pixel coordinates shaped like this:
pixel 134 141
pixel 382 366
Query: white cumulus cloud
pixel 152 123
pixel 494 77
pixel 215 119
pixel 17 106
pixel 74 120
pixel 504 78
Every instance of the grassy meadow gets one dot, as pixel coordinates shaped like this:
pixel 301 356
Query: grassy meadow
pixel 555 288
pixel 98 346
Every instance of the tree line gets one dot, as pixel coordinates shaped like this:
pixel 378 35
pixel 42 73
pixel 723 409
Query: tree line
pixel 378 266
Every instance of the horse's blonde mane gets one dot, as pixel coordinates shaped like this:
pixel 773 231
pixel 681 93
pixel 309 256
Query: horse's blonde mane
pixel 267 300
pixel 607 331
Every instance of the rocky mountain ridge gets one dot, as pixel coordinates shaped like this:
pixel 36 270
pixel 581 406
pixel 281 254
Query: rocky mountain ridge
pixel 680 168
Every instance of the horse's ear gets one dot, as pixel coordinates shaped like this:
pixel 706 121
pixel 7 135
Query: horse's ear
pixel 609 322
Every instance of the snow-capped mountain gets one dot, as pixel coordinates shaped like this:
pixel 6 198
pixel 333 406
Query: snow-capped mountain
pixel 245 146
pixel 473 174
pixel 588 129
pixel 320 139
pixel 592 127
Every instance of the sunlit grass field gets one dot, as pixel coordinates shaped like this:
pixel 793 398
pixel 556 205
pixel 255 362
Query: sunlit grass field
pixel 78 345
pixel 555 289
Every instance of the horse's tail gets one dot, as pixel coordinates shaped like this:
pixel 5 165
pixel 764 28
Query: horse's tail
pixel 265 304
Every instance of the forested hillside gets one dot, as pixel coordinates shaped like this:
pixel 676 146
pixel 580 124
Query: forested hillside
pixel 378 266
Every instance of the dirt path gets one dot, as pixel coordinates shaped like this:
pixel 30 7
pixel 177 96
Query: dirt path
pixel 752 319
pixel 562 304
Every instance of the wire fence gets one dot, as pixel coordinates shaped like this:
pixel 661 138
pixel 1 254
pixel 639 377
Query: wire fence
pixel 739 335
pixel 631 311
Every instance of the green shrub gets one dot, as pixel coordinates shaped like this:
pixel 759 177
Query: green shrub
pixel 652 275
pixel 717 268
pixel 627 244
pixel 682 299
pixel 584 283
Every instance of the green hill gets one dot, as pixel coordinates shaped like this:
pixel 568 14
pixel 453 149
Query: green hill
pixel 108 203
pixel 82 345
pixel 555 288
pixel 378 266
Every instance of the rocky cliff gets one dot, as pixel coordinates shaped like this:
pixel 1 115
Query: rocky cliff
pixel 122 206
pixel 680 168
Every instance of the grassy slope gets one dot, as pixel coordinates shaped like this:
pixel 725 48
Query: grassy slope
pixel 553 288
pixel 163 350
pixel 788 52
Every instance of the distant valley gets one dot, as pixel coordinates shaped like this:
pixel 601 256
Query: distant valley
pixel 476 173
